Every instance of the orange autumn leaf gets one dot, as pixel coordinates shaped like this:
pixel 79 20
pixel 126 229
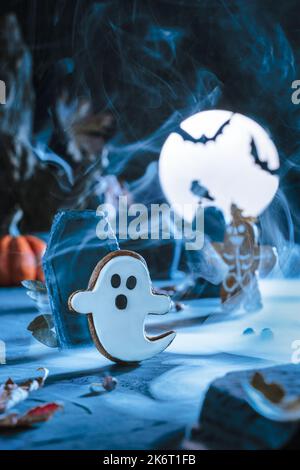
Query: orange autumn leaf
pixel 38 414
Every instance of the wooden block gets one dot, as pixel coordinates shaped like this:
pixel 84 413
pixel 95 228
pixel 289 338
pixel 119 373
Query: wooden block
pixel 227 421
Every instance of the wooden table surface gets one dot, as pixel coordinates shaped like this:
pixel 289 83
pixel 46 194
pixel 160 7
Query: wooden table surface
pixel 156 401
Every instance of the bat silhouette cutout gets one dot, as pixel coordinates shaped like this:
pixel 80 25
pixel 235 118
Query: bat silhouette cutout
pixel 263 165
pixel 203 139
pixel 200 191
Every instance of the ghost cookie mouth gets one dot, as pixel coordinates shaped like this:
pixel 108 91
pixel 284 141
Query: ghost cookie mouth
pixel 118 299
pixel 121 302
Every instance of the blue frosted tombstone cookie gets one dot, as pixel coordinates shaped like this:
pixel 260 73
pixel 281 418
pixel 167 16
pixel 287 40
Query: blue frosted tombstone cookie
pixel 72 252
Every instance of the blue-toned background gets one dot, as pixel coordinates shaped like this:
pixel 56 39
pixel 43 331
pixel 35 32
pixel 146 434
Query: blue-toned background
pixel 152 63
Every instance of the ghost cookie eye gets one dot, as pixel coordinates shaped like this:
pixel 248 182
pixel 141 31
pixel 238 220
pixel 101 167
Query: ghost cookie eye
pixel 115 281
pixel 131 282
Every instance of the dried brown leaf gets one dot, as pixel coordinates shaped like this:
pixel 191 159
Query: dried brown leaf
pixel 272 391
pixel 42 329
pixel 271 401
pixel 12 393
pixel 46 337
pixel 41 322
pixel 33 416
pixel 35 286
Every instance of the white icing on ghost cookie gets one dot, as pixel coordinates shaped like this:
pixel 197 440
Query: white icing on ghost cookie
pixel 118 299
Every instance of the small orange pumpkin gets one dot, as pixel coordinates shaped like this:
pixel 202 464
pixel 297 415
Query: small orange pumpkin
pixel 20 259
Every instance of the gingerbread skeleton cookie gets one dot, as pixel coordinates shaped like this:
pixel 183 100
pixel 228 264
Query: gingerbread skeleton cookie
pixel 245 258
pixel 117 301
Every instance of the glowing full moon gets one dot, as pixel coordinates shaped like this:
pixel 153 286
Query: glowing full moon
pixel 221 158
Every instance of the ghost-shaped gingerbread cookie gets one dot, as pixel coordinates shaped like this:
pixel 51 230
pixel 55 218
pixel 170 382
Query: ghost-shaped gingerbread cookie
pixel 118 299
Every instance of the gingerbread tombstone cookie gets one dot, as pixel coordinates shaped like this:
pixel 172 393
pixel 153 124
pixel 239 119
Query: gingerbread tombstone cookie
pixel 117 301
